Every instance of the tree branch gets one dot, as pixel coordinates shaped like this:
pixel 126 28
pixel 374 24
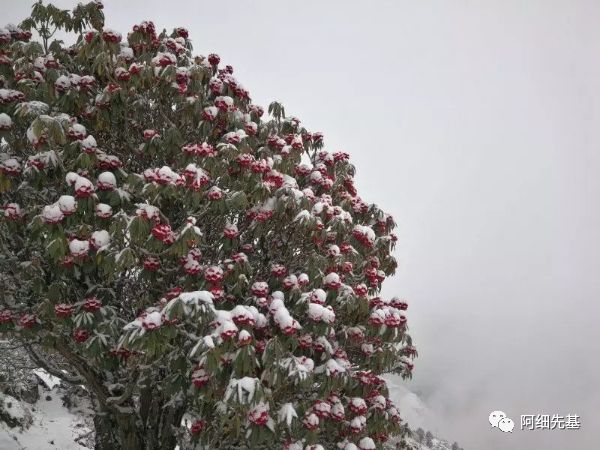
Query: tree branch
pixel 51 369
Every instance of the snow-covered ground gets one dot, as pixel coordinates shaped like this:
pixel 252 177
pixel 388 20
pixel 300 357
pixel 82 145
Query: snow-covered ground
pixel 412 408
pixel 49 424
pixel 46 425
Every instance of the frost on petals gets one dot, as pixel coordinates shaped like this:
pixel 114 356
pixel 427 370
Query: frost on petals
pixel 79 248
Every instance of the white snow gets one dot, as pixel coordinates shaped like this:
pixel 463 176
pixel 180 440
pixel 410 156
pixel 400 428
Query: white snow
pixel 366 443
pixel 52 213
pixel 71 178
pixel 242 389
pixel 211 111
pixel 320 313
pixel 318 296
pixel 89 143
pixel 197 297
pixel 166 56
pixel 208 341
pixel 63 82
pixel 49 380
pixel 13 407
pixel 103 210
pixel 79 248
pixel 286 414
pixel 311 419
pixel 11 164
pixel 78 129
pixel 303 216
pixel 67 204
pixel 152 320
pixel 107 179
pixel 331 278
pixel 5 121
pixel 35 108
pixel 365 231
pixel 100 239
pixel 126 53
pixel 244 335
pixel 333 367
pixel 53 426
pixel 83 183
pixel 148 211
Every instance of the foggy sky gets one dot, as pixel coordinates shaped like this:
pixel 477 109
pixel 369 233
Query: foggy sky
pixel 476 124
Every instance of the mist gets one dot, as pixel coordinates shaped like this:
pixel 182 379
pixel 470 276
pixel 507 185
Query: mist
pixel 476 125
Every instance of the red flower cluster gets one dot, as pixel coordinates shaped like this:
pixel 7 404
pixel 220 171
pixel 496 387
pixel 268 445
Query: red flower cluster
pixel 64 310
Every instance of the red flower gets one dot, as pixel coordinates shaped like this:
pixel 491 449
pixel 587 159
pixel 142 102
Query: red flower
pixel 361 290
pixel 214 59
pixel 197 427
pixel 92 304
pixel 278 270
pixel 305 341
pixel 163 233
pixel 214 193
pixel 317 138
pixel 213 274
pixel 27 320
pixel 230 232
pixel 217 292
pixel 260 289
pixel 135 68
pixel 111 36
pixel 322 408
pixel 151 263
pixel 337 412
pixel 260 347
pixel 251 128
pixel 67 261
pixel 182 32
pixel 12 211
pixel 150 134
pixel 311 422
pixel 224 103
pixel 290 282
pixel 377 318
pixel 63 310
pixel 210 113
pixel 259 415
pixel 173 292
pixel 113 87
pixel 256 110
pixel 84 191
pixel 80 335
pixel 205 150
pixel 215 85
pixel 399 304
pixel 5 316
pixel 199 377
pixel 244 338
pixel 122 74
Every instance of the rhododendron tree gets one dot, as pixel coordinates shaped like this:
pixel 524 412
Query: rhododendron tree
pixel 207 271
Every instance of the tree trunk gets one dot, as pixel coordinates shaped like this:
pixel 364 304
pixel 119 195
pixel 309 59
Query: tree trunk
pixel 106 437
pixel 125 431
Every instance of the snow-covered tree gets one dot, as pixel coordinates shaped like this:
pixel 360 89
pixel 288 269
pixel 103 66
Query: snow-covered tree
pixel 420 435
pixel 428 439
pixel 209 274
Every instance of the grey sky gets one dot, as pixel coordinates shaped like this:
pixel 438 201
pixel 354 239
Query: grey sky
pixel 476 124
